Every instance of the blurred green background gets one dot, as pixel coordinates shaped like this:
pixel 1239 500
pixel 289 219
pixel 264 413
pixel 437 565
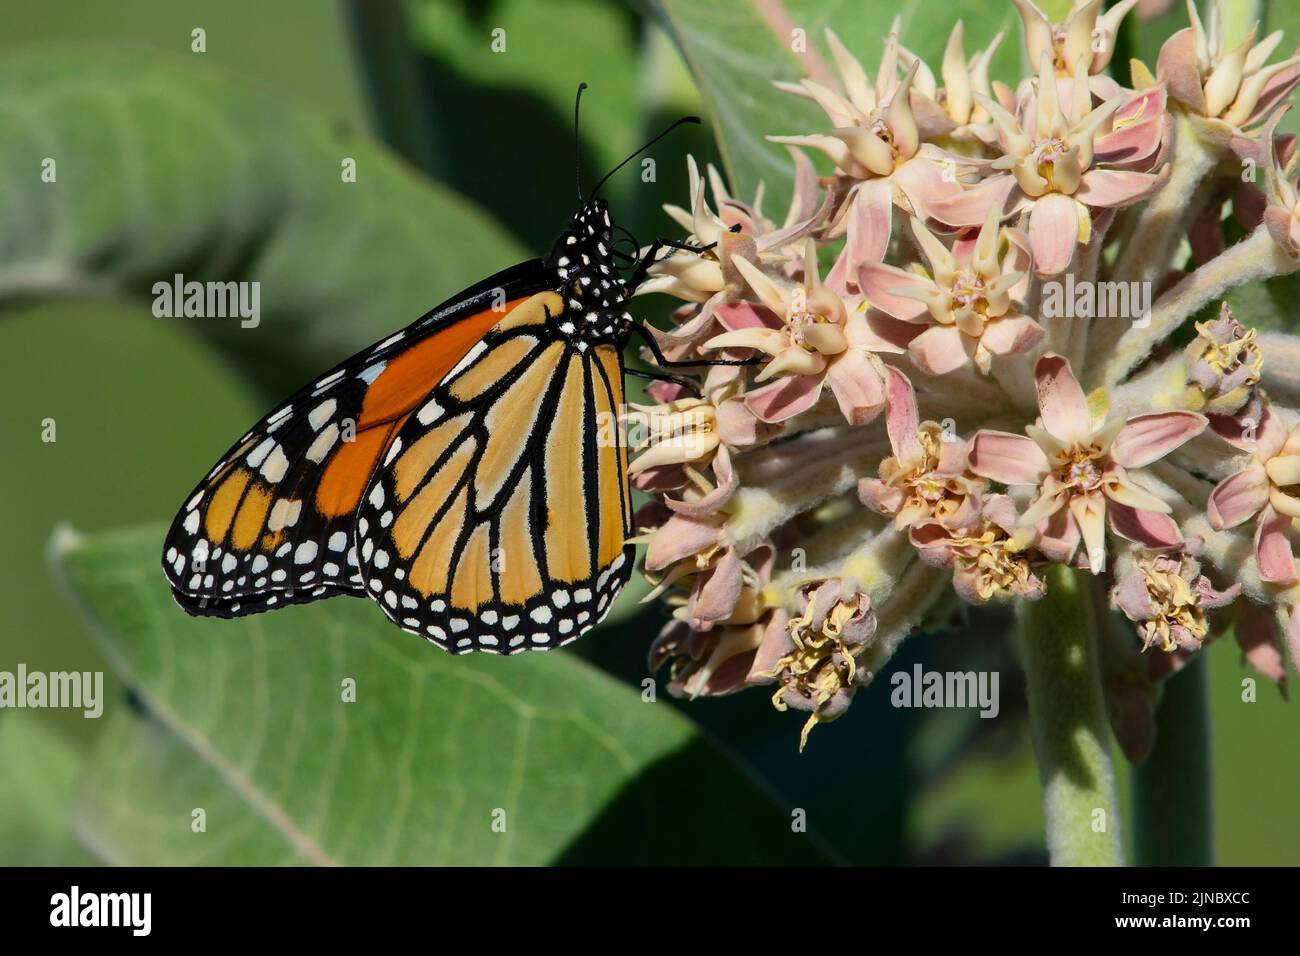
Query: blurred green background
pixel 225 165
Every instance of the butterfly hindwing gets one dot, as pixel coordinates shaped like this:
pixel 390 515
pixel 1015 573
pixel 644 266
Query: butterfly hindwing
pixel 499 517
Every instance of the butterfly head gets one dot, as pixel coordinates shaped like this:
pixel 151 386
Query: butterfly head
pixel 594 291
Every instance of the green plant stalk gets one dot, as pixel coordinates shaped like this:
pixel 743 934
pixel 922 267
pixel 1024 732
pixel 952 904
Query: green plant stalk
pixel 1173 816
pixel 1067 715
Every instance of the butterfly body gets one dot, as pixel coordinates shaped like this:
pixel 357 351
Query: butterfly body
pixel 467 473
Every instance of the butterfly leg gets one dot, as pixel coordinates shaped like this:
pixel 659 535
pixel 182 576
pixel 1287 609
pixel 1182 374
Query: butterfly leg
pixel 649 376
pixel 649 340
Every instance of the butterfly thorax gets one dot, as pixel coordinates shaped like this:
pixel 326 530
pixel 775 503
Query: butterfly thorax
pixel 595 295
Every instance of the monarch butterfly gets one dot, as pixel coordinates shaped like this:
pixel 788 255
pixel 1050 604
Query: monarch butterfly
pixel 452 472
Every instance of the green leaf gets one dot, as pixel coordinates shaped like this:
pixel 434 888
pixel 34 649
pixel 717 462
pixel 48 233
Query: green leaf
pixel 165 166
pixel 735 55
pixel 499 94
pixel 737 48
pixel 246 721
pixel 40 769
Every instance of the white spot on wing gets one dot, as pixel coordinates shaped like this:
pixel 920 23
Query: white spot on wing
pixel 323 443
pixel 276 465
pixel 429 413
pixel 322 413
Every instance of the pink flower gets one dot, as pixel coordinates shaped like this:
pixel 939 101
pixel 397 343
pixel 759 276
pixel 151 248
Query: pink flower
pixel 1269 486
pixel 813 340
pixel 717 661
pixel 736 230
pixel 951 114
pixel 1081 467
pixel 877 149
pixel 691 549
pixel 1061 167
pixel 967 299
pixel 1086 38
pixel 926 478
pixel 1237 89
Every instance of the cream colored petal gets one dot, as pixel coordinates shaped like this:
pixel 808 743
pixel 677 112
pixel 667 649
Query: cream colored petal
pixel 1284 469
pixel 1085 131
pixel 956 78
pixel 942 262
pixel 1017 143
pixel 851 72
pixel 1284 503
pixel 1122 489
pixel 985 256
pixel 768 292
pixel 793 361
pixel 1224 82
pixel 826 338
pixel 1050 120
pixel 867 149
pixel 898 116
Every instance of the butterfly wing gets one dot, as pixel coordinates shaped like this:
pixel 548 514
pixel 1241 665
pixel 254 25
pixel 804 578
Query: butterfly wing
pixel 498 520
pixel 274 522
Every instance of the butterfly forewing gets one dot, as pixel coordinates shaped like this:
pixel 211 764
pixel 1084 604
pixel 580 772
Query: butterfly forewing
pixel 499 517
pixel 274 522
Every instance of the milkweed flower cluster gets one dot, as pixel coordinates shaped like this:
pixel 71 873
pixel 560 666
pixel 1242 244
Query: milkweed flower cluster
pixel 963 369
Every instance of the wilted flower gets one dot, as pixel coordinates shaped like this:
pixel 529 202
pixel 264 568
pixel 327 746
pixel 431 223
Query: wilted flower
pixel 814 660
pixel 1224 362
pixel 987 561
pixel 717 661
pixel 1166 596
pixel 927 478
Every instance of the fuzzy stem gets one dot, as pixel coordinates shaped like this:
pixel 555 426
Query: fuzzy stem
pixel 1068 716
pixel 1165 217
pixel 1254 258
pixel 1173 817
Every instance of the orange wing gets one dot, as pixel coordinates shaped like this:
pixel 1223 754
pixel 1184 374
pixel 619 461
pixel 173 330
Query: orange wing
pixel 274 521
pixel 499 519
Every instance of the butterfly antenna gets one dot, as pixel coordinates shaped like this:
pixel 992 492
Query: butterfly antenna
pixel 680 122
pixel 577 143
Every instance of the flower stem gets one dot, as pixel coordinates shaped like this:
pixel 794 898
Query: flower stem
pixel 1173 818
pixel 1167 214
pixel 1254 258
pixel 1068 716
